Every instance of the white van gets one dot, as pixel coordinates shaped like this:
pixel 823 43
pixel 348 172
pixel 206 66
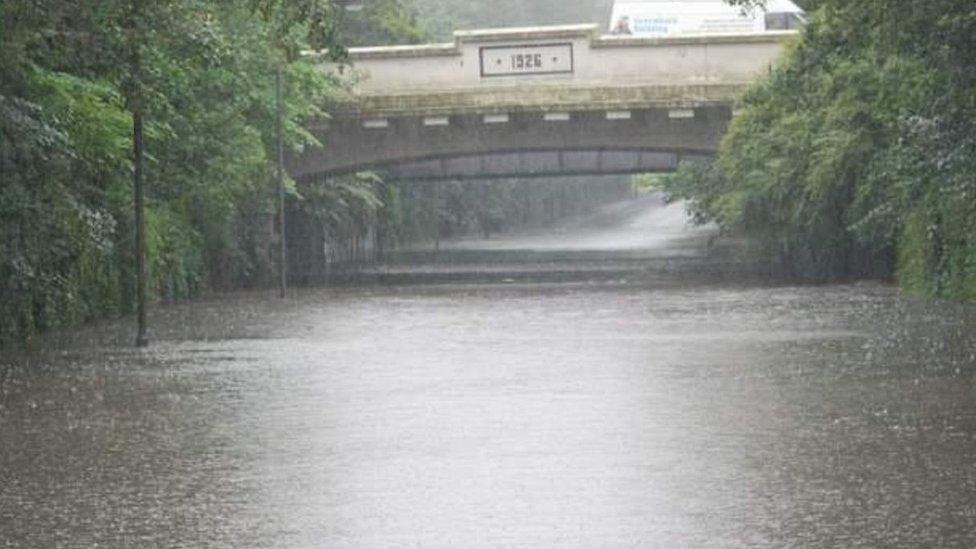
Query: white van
pixel 689 17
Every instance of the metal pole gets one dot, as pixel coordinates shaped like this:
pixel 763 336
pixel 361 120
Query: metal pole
pixel 138 168
pixel 282 260
pixel 142 339
pixel 437 216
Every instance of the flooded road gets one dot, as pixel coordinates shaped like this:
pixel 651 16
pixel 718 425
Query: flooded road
pixel 611 383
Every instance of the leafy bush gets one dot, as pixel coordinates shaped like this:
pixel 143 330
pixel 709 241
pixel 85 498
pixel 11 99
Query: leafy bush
pixel 856 156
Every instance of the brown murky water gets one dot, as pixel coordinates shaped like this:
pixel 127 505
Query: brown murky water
pixel 603 385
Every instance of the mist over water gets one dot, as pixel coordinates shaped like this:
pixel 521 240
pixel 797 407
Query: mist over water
pixel 614 381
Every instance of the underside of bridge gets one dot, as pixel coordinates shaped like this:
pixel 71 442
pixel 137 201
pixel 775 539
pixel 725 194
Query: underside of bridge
pixel 516 144
pixel 540 163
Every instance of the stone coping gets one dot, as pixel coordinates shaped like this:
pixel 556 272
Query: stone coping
pixel 538 99
pixel 767 37
pixel 525 33
pixel 589 31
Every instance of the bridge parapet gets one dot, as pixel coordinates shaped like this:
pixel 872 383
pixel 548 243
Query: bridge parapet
pixel 568 67
pixel 536 101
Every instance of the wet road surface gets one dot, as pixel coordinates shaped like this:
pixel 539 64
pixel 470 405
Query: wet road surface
pixel 611 383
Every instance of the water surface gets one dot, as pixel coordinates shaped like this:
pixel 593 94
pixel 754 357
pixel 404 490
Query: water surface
pixel 610 383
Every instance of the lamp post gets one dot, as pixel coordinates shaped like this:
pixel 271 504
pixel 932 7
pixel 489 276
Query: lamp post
pixel 282 260
pixel 136 108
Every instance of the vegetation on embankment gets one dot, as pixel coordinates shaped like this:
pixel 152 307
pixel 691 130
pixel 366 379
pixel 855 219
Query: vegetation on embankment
pixel 72 74
pixel 856 156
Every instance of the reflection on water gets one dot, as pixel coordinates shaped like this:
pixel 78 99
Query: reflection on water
pixel 595 391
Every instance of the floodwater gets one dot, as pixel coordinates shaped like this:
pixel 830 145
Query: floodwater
pixel 611 383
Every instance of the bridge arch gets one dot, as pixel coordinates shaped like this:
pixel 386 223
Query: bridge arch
pixel 525 144
pixel 538 163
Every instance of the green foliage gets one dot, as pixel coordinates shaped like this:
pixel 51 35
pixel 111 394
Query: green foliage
pixel 914 273
pixel 381 22
pixel 205 71
pixel 353 219
pixel 442 17
pixel 648 181
pixel 436 209
pixel 856 155
pixel 293 25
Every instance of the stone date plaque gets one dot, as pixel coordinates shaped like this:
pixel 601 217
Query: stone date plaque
pixel 528 59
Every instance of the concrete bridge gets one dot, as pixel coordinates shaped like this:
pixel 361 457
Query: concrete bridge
pixel 536 101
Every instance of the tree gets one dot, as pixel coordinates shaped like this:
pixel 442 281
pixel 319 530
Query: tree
pixel 72 76
pixel 442 17
pixel 856 155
